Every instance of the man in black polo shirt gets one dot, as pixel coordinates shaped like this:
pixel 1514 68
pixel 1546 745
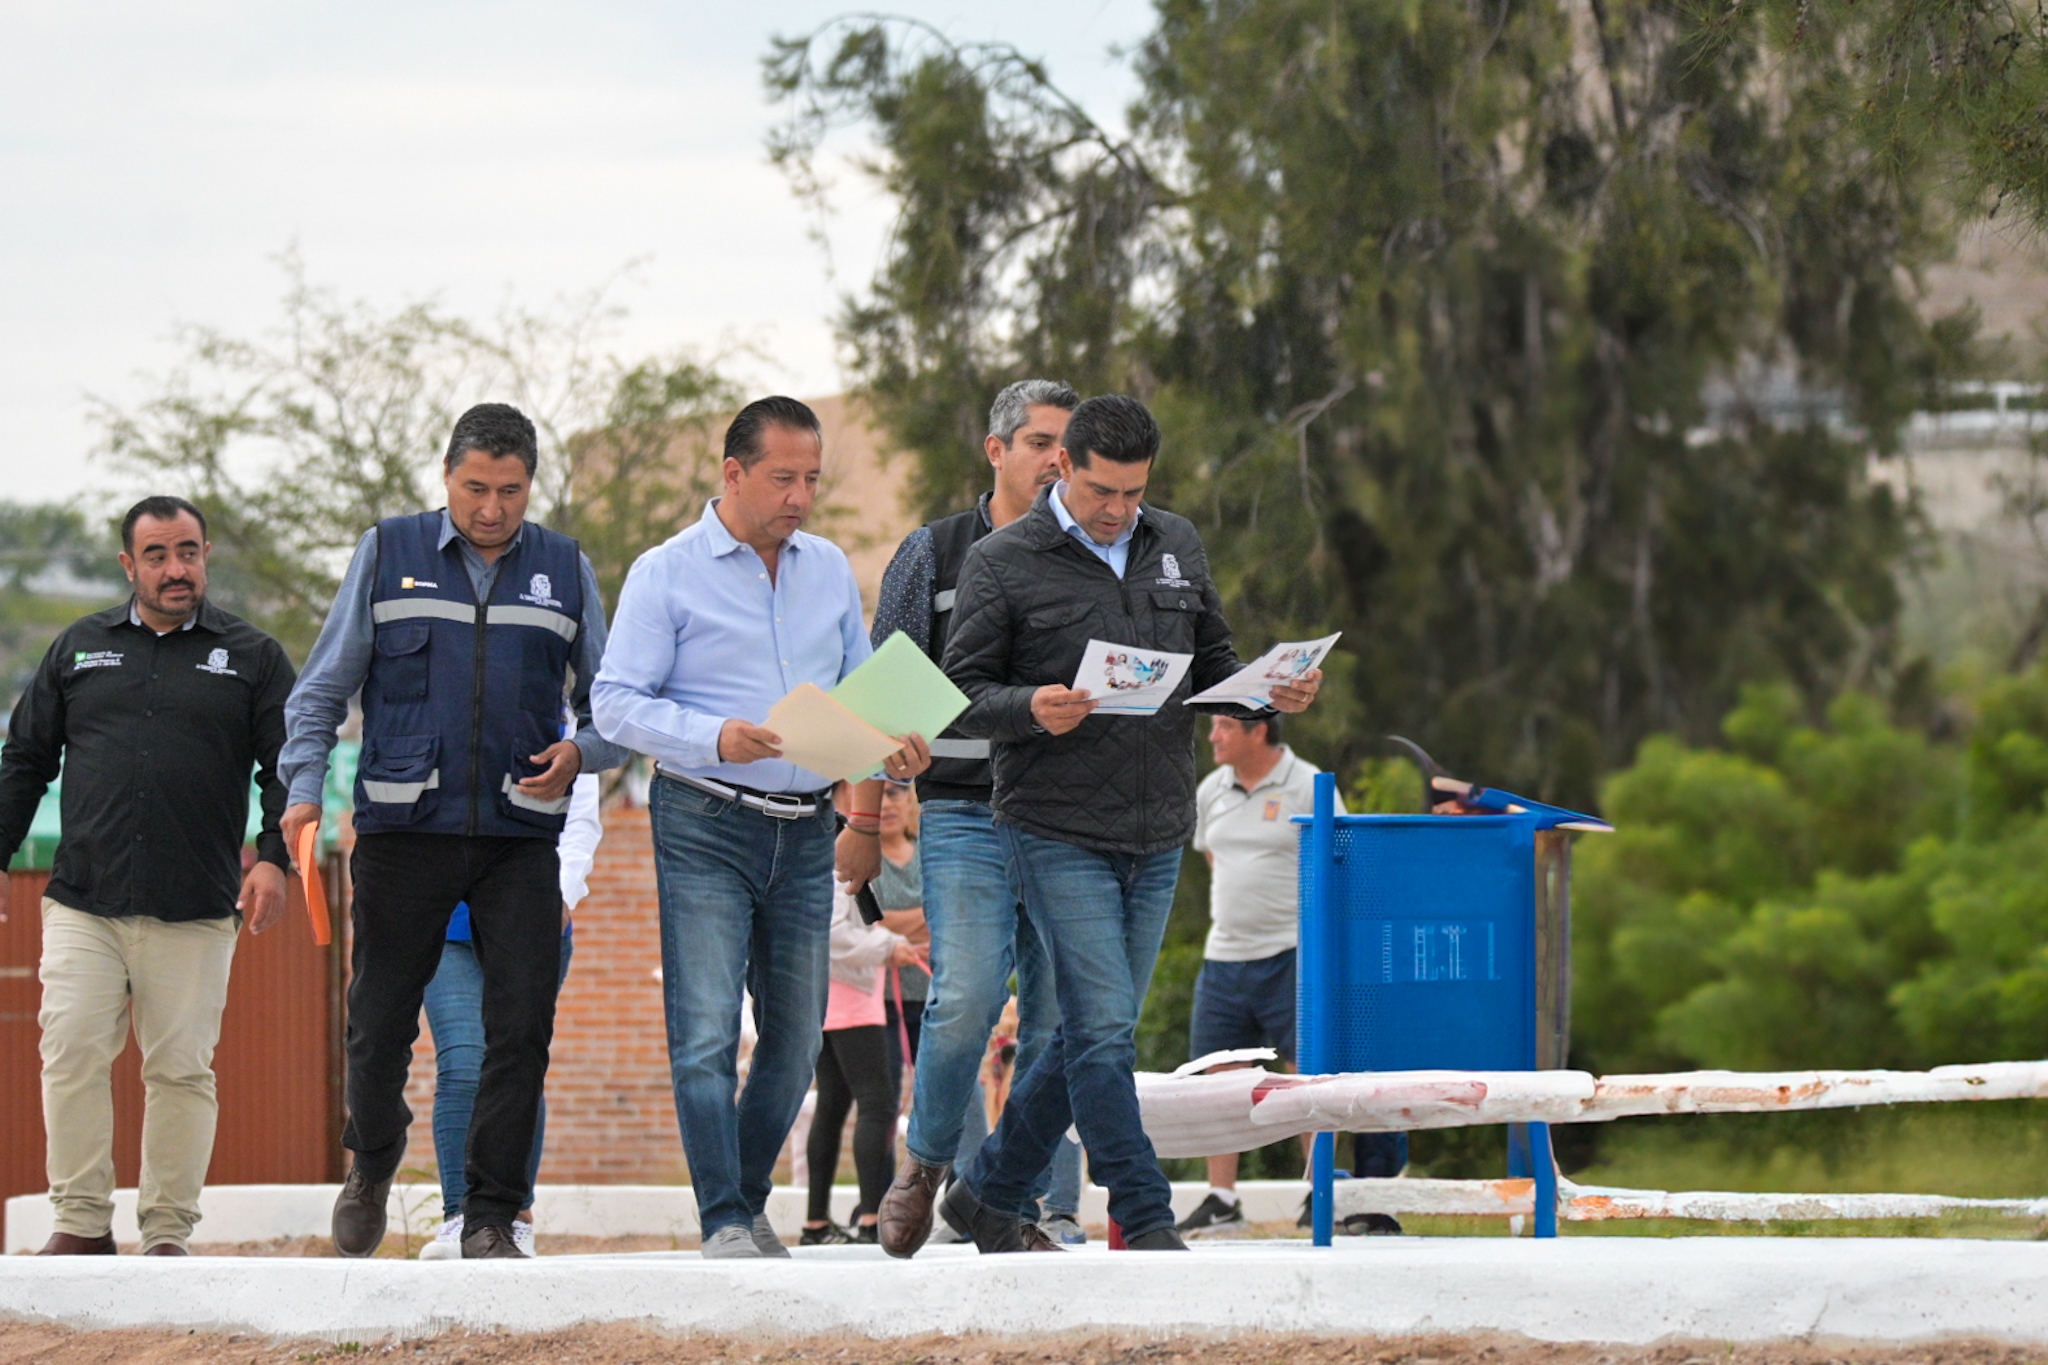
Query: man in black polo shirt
pixel 157 712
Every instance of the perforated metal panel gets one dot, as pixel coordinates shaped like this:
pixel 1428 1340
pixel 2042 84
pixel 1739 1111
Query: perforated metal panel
pixel 1426 948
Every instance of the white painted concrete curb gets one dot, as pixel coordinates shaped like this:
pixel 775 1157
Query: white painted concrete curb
pixel 1588 1289
pixel 261 1213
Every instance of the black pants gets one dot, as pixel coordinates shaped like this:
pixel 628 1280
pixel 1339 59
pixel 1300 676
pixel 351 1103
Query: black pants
pixel 853 1069
pixel 406 887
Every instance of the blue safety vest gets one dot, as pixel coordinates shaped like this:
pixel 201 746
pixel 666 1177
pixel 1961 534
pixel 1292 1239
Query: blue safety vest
pixel 461 693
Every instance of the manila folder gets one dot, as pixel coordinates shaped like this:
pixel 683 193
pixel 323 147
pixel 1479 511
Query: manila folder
pixel 820 734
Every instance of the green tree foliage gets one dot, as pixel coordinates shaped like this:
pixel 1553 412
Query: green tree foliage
pixel 1453 314
pixel 1958 82
pixel 296 441
pixel 54 567
pixel 1838 895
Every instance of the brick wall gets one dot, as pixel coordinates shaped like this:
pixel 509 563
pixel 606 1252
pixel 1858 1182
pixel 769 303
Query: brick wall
pixel 611 1118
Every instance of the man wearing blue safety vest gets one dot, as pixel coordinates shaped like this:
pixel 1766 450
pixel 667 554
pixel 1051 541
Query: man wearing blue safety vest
pixel 462 629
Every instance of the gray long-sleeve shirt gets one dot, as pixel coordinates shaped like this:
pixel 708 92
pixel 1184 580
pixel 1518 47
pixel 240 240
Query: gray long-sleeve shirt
pixel 341 660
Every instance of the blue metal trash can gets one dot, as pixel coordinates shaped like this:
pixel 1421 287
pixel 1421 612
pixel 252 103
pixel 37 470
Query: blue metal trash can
pixel 1436 942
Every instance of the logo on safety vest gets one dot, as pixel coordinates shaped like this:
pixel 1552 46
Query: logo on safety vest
pixel 217 664
pixel 540 592
pixel 416 583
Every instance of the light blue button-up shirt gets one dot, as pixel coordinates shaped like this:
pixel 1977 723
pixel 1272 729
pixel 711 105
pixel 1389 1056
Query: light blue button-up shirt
pixel 703 636
pixel 1116 554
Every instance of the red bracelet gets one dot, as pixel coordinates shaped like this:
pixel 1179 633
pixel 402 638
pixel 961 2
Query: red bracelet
pixel 863 815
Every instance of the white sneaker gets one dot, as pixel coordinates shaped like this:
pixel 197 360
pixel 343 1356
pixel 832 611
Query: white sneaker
pixel 447 1243
pixel 734 1243
pixel 522 1236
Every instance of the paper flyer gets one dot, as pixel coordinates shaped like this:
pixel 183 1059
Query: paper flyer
pixel 1128 680
pixel 1252 686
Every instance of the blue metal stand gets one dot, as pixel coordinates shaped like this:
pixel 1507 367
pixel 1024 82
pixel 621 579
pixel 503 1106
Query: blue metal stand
pixel 1323 1184
pixel 1529 1156
pixel 1420 949
pixel 1315 1018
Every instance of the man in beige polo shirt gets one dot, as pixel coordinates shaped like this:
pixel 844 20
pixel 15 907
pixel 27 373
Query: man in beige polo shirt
pixel 1244 997
pixel 157 711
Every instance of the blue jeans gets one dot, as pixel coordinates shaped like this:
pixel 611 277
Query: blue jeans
pixel 1062 1179
pixel 455 1012
pixel 746 903
pixel 1101 917
pixel 978 939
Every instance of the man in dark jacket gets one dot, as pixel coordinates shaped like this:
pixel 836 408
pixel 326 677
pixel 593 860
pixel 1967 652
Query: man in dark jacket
pixel 1094 810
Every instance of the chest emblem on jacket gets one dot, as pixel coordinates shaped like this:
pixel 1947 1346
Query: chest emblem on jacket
pixel 540 592
pixel 416 583
pixel 217 664
pixel 95 658
pixel 1169 572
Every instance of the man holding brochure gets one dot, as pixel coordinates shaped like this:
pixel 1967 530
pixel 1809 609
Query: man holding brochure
pixel 1094 587
pixel 738 616
pixel 978 934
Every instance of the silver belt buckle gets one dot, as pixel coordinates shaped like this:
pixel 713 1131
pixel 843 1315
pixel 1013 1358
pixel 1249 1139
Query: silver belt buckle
pixel 782 806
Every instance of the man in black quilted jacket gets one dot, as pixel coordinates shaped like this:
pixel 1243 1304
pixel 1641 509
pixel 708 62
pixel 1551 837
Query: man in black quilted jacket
pixel 1094 809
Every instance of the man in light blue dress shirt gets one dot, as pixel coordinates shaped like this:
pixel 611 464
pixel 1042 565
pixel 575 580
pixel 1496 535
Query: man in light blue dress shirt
pixel 713 628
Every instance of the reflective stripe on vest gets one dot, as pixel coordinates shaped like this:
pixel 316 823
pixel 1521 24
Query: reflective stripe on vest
pixel 404 608
pixel 533 803
pixel 401 793
pixel 959 748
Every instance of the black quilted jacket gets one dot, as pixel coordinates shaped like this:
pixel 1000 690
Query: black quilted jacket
pixel 1030 598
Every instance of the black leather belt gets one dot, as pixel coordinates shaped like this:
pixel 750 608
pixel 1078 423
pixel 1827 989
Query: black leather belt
pixel 774 805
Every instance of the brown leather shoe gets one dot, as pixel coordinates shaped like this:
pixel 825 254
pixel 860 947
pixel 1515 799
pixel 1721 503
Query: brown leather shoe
pixel 1036 1238
pixel 359 1212
pixel 993 1232
pixel 167 1249
pixel 71 1244
pixel 905 1218
pixel 489 1242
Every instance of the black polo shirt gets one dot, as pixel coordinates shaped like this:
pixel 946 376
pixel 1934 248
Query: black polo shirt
pixel 156 736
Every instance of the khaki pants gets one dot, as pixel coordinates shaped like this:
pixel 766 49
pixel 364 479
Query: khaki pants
pixel 176 978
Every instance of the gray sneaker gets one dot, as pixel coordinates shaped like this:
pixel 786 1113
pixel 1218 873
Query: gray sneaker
pixel 765 1240
pixel 735 1243
pixel 1063 1228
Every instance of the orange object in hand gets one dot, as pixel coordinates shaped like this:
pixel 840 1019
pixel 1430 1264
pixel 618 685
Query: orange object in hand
pixel 316 893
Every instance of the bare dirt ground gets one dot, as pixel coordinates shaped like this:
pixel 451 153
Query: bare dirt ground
pixel 21 1344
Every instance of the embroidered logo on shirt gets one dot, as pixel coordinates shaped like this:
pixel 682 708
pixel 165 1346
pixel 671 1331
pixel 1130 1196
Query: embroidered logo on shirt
pixel 97 658
pixel 1272 810
pixel 416 583
pixel 217 664
pixel 1169 572
pixel 540 592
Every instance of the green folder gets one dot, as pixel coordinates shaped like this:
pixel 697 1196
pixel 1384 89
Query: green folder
pixel 900 691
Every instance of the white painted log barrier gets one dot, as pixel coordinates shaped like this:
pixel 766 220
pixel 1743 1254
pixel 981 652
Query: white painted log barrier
pixel 1598 1203
pixel 1235 1111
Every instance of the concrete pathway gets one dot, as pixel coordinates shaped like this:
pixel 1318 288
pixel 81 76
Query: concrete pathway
pixel 1587 1289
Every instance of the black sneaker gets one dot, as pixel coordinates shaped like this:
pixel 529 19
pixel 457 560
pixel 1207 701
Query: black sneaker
pixel 1370 1225
pixel 1214 1217
pixel 831 1235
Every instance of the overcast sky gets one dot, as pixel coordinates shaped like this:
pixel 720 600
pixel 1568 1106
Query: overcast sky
pixel 155 158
